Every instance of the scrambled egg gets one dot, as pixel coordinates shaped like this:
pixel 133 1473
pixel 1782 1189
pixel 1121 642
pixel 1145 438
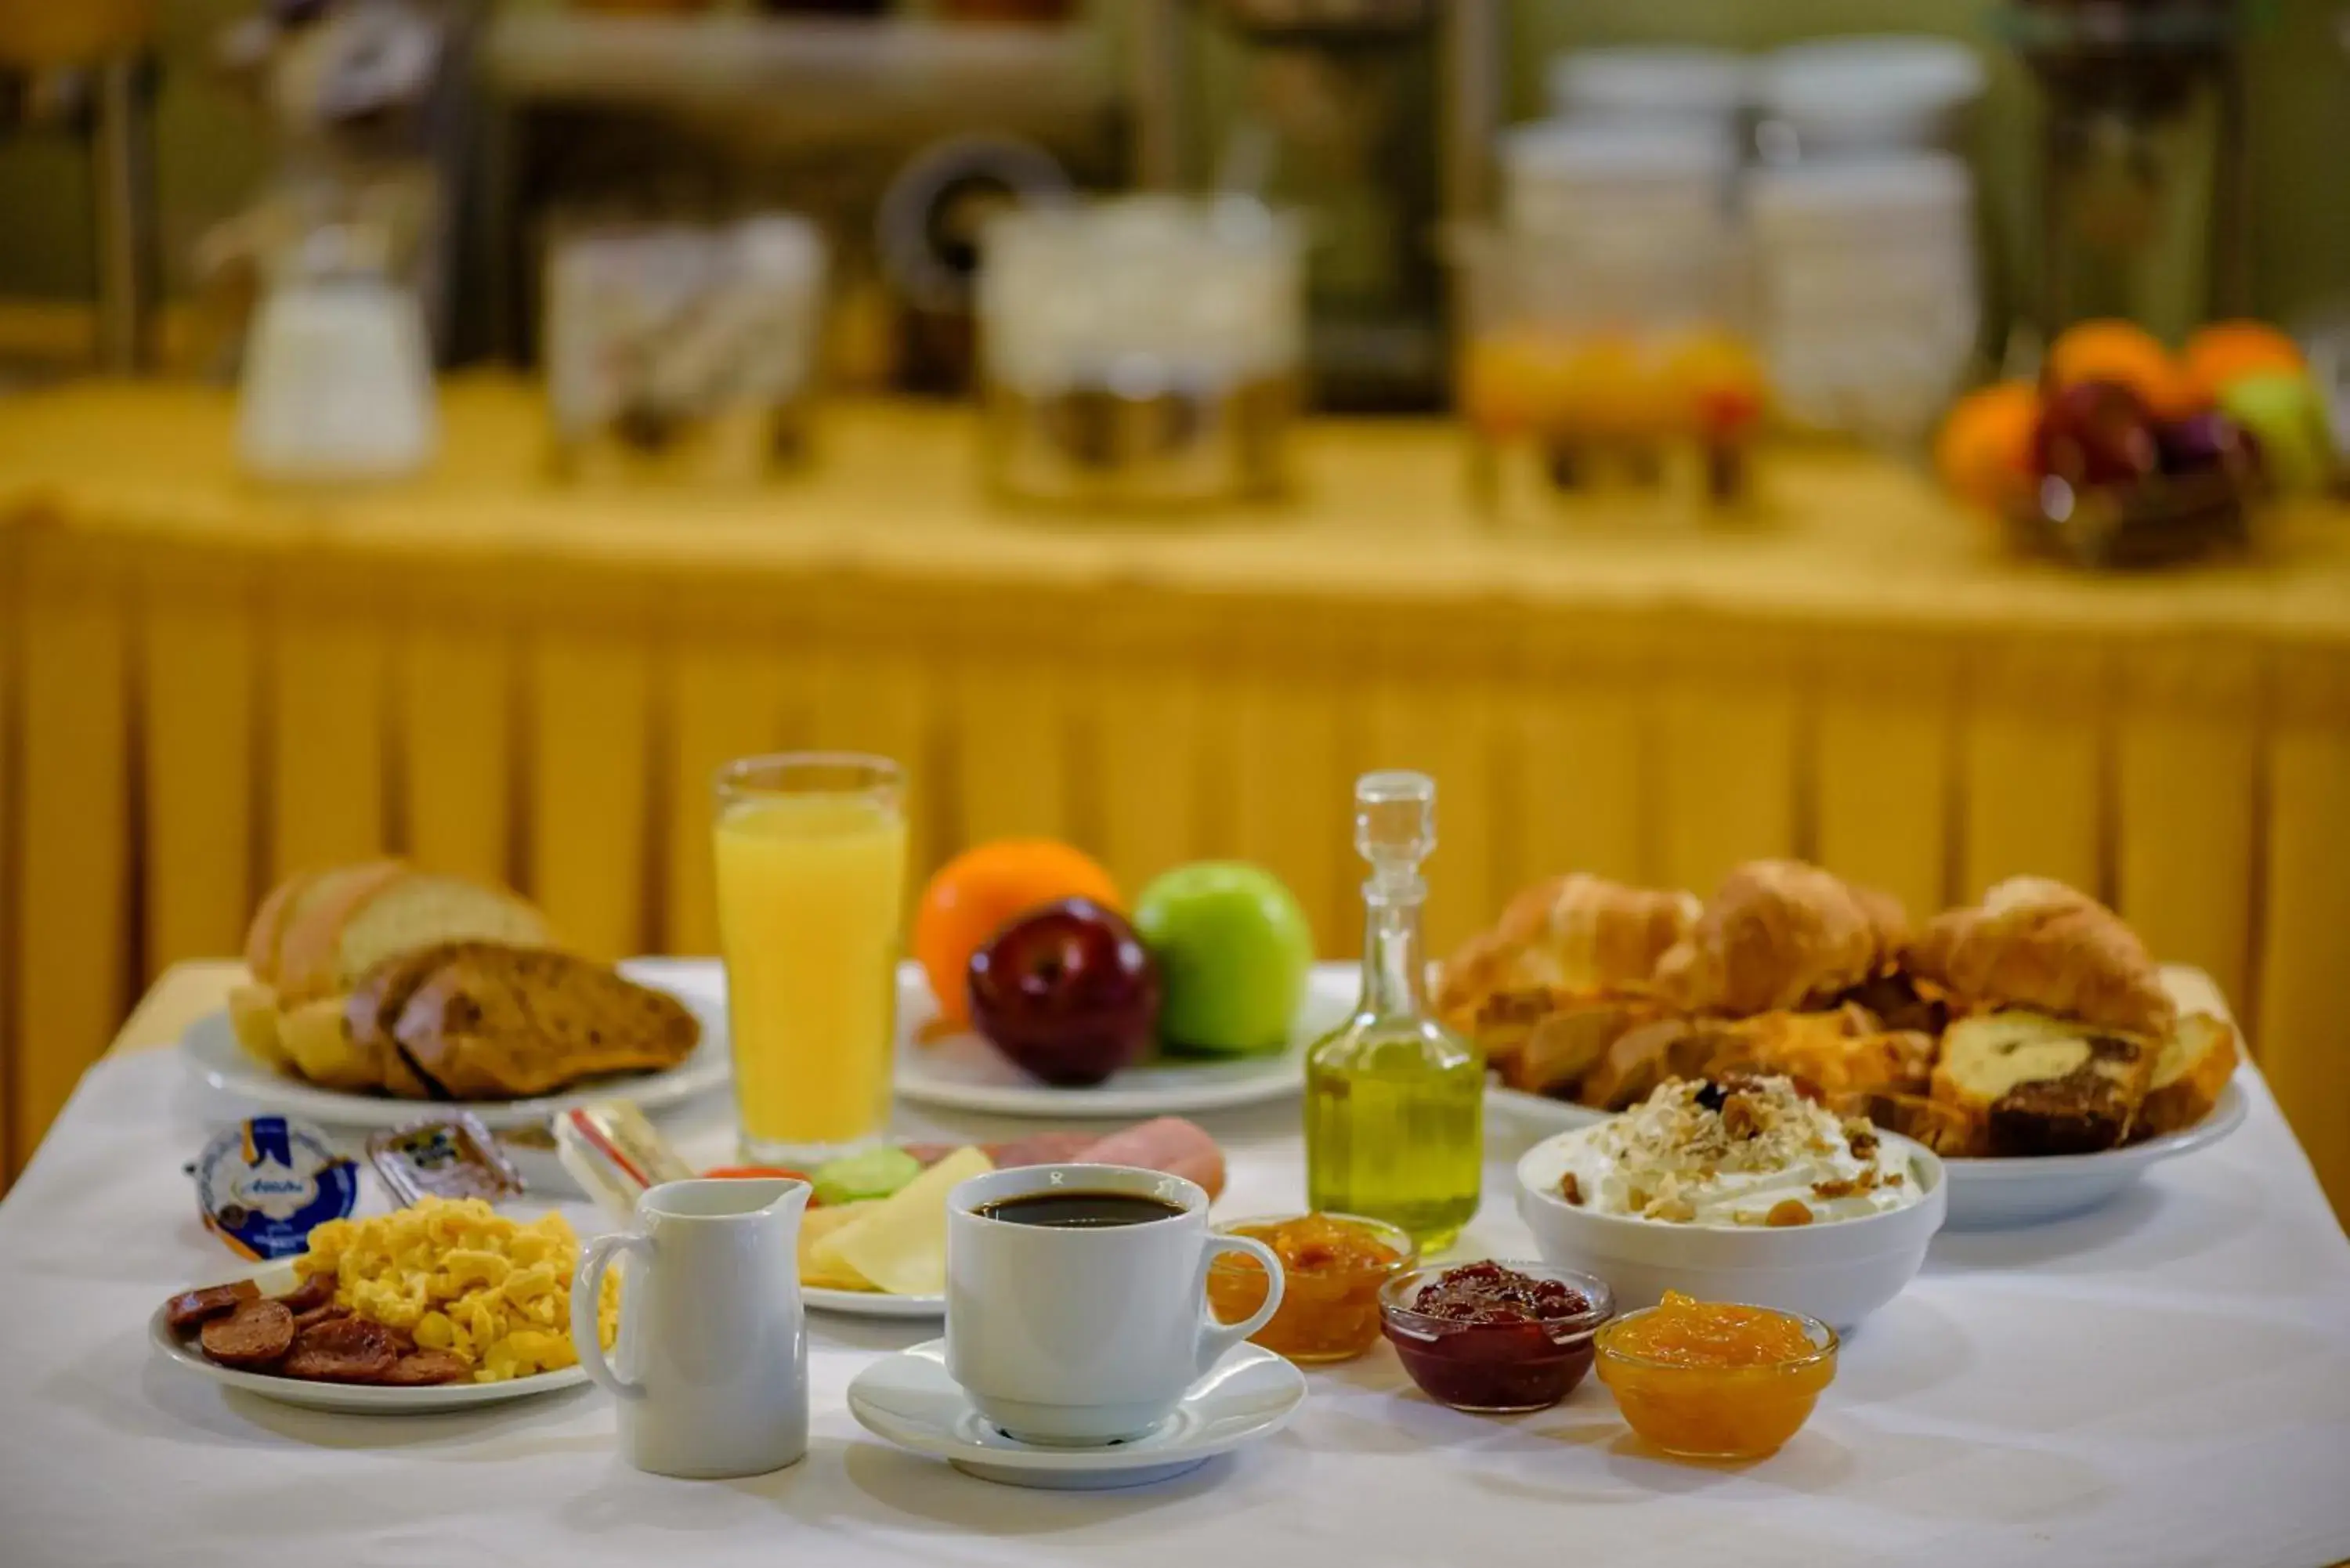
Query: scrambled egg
pixel 461 1277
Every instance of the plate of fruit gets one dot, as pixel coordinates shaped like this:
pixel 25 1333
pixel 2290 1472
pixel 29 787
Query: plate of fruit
pixel 2124 454
pixel 1039 990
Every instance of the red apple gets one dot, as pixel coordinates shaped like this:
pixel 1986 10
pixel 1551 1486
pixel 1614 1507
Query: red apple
pixel 1068 991
pixel 2096 434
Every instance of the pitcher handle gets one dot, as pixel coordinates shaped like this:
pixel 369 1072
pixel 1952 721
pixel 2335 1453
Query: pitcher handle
pixel 586 1295
pixel 1215 1338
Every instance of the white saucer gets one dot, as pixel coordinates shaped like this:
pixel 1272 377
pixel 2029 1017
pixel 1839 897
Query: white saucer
pixel 910 1399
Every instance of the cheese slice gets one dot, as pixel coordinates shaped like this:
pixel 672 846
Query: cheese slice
pixel 818 1225
pixel 900 1246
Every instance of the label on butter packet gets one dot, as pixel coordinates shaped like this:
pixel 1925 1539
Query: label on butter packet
pixel 264 1184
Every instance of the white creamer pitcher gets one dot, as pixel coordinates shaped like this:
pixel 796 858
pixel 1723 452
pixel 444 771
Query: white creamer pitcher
pixel 713 1337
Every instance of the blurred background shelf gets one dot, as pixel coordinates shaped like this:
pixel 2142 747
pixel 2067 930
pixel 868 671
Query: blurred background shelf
pixel 814 81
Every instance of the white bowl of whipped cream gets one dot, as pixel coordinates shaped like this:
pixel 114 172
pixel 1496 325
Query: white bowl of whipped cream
pixel 1736 1189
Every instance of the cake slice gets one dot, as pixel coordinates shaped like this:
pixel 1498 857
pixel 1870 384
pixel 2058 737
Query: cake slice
pixel 2035 1084
pixel 2193 1066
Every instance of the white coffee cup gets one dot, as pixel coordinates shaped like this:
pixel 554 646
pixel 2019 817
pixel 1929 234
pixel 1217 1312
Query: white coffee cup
pixel 1077 1336
pixel 714 1334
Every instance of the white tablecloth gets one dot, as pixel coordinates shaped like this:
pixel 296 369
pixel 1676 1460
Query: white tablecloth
pixel 2165 1382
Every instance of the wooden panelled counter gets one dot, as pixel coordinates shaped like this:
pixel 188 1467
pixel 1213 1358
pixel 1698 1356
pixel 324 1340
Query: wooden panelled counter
pixel 202 684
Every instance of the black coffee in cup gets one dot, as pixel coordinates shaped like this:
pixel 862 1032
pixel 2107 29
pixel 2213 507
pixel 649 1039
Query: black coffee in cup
pixel 1079 1210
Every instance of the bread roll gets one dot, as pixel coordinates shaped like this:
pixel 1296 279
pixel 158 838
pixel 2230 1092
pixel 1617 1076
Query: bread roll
pixel 2041 945
pixel 1777 935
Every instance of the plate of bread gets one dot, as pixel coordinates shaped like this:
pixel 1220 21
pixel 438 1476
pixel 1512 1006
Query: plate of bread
pixel 2030 1039
pixel 377 989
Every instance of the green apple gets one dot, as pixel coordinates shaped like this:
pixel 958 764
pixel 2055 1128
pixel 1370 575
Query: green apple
pixel 1233 950
pixel 2287 419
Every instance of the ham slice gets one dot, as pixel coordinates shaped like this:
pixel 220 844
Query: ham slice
pixel 1170 1143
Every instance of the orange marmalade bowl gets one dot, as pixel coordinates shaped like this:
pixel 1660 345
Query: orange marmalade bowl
pixel 1332 1266
pixel 1713 1380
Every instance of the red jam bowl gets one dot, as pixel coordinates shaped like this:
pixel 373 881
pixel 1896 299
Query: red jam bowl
pixel 1498 1367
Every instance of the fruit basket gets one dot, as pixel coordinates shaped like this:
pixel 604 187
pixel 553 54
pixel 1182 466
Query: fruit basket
pixel 2125 456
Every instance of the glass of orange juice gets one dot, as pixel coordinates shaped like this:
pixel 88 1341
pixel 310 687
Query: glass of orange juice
pixel 811 852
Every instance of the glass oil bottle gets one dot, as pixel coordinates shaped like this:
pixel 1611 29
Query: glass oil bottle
pixel 1394 1100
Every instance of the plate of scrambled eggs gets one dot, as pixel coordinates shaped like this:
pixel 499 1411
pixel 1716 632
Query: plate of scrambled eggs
pixel 448 1275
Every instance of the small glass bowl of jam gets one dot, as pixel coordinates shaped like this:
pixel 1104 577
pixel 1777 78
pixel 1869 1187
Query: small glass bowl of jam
pixel 1712 1380
pixel 1495 1338
pixel 1332 1268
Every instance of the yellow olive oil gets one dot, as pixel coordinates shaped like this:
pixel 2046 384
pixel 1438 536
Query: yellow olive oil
pixel 1395 1101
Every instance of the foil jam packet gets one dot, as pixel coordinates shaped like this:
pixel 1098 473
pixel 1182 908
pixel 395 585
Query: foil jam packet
pixel 447 1156
pixel 264 1184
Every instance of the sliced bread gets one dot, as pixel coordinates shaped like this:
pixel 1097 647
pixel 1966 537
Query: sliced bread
pixel 334 938
pixel 307 969
pixel 494 1021
pixel 2035 1084
pixel 266 935
pixel 2193 1066
pixel 372 1012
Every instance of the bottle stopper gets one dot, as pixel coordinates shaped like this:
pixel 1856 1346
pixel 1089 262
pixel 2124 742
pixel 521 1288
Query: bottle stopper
pixel 1394 830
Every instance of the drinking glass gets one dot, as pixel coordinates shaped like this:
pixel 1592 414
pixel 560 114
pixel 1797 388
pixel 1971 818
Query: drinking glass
pixel 811 874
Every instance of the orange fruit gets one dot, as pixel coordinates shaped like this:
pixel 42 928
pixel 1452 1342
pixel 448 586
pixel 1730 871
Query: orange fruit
pixel 2228 352
pixel 2122 351
pixel 1984 450
pixel 977 893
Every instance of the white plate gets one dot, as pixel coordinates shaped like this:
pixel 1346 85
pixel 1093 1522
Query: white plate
pixel 1989 1193
pixel 1540 1113
pixel 965 1072
pixel 909 1400
pixel 211 1052
pixel 350 1398
pixel 871 1303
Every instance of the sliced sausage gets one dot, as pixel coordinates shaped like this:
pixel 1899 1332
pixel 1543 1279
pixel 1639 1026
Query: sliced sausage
pixel 1170 1143
pixel 419 1367
pixel 315 1291
pixel 253 1336
pixel 318 1314
pixel 190 1308
pixel 342 1350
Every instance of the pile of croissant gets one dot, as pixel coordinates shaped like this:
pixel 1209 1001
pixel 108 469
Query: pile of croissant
pixel 2033 1023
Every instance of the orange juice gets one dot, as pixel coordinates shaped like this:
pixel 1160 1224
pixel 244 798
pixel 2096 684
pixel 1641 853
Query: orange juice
pixel 811 876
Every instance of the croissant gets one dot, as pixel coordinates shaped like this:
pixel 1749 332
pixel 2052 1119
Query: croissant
pixel 1577 933
pixel 1778 934
pixel 2037 943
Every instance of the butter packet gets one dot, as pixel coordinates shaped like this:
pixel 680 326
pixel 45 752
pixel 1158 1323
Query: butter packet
pixel 615 1153
pixel 264 1184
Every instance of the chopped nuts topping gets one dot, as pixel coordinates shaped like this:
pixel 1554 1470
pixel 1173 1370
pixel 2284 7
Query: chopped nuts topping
pixel 1729 1146
pixel 1860 1133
